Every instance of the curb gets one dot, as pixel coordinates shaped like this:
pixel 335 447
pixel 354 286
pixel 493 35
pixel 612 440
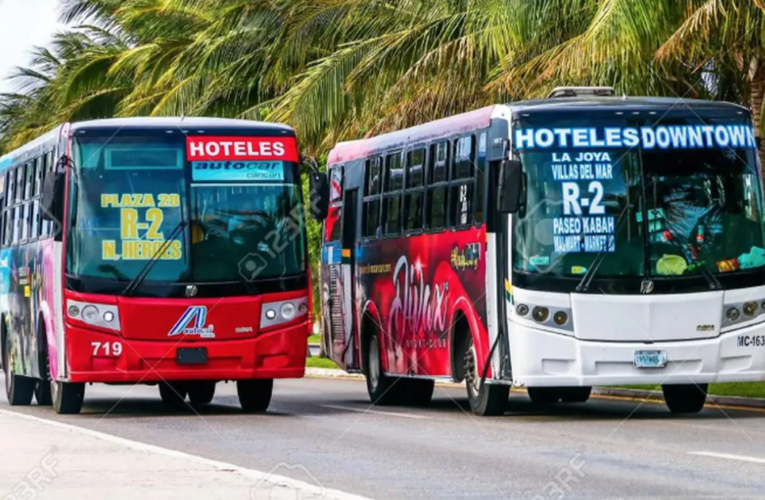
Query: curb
pixel 657 395
pixel 602 391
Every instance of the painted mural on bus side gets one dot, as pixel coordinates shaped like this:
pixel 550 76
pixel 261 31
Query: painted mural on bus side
pixel 416 288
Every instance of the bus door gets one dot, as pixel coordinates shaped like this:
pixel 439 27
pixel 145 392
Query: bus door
pixel 338 256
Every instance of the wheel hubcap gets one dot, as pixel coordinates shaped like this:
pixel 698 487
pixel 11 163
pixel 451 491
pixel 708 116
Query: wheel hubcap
pixel 374 364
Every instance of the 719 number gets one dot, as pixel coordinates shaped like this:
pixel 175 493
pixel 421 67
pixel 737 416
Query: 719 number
pixel 108 349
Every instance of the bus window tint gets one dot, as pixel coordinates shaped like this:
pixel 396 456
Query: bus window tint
pixel 437 188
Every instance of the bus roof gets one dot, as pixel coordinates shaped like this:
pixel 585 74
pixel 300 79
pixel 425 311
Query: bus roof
pixel 145 122
pixel 481 118
pixel 352 150
pixel 178 122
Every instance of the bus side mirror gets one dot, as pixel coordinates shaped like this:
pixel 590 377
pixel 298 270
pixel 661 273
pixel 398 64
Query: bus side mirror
pixel 510 187
pixel 319 195
pixel 53 196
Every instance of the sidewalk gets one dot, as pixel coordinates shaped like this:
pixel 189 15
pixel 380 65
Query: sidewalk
pixel 41 459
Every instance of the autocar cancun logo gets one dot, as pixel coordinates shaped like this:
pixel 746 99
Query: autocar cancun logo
pixel 197 317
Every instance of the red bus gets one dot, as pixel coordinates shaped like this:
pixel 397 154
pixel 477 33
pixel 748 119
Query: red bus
pixel 162 251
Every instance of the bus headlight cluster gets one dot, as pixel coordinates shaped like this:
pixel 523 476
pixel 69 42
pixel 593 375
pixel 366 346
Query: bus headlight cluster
pixel 101 315
pixel 274 313
pixel 742 312
pixel 554 317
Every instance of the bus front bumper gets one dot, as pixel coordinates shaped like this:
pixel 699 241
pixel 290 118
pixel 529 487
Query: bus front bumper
pixel 275 354
pixel 543 359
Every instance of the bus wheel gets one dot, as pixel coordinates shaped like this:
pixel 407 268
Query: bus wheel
pixel 43 389
pixel 417 392
pixel 685 398
pixel 255 394
pixel 575 394
pixel 18 389
pixel 489 400
pixel 382 389
pixel 67 397
pixel 173 394
pixel 545 395
pixel 201 392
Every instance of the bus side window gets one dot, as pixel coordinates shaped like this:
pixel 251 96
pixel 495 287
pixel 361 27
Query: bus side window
pixel 437 186
pixel 480 180
pixel 413 195
pixel 394 182
pixel 463 179
pixel 372 198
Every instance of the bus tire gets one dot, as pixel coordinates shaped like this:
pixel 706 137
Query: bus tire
pixel 685 398
pixel 173 394
pixel 201 392
pixel 545 395
pixel 575 394
pixel 382 389
pixel 43 389
pixel 255 394
pixel 417 391
pixel 67 397
pixel 18 389
pixel 486 401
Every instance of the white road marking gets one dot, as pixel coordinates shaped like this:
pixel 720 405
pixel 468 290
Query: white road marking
pixel 259 476
pixel 375 412
pixel 740 458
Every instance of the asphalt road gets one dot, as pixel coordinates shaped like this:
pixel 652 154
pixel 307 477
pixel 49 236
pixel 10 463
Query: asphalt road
pixel 323 431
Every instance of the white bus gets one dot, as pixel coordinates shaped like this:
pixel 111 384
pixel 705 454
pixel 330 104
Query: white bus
pixel 577 241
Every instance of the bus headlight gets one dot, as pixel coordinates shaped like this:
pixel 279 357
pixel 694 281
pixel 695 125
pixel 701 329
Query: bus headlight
pixel 560 318
pixel 553 317
pixel 288 311
pixel 283 311
pixel 101 315
pixel 540 314
pixel 750 308
pixel 90 314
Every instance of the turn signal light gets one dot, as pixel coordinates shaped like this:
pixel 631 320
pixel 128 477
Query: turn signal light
pixel 733 314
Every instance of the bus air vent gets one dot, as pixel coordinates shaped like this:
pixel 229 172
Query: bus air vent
pixel 581 92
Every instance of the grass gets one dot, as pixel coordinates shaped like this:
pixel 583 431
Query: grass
pixel 314 339
pixel 743 389
pixel 314 362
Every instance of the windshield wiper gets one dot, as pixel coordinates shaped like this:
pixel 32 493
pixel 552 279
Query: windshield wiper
pixel 136 282
pixel 714 284
pixel 584 283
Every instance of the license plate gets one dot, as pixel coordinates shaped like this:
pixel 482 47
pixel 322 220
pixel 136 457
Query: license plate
pixel 650 359
pixel 191 355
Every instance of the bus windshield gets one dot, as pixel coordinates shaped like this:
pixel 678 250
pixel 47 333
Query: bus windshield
pixel 130 191
pixel 655 196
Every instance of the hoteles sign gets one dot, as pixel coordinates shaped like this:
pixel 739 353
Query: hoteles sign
pixel 241 148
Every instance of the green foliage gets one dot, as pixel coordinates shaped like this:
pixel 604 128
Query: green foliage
pixel 343 69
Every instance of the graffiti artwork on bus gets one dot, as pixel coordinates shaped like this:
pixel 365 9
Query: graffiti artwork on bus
pixel 429 279
pixel 26 296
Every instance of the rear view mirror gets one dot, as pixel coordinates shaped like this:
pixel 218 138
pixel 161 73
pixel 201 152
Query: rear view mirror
pixel 53 196
pixel 319 195
pixel 510 187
